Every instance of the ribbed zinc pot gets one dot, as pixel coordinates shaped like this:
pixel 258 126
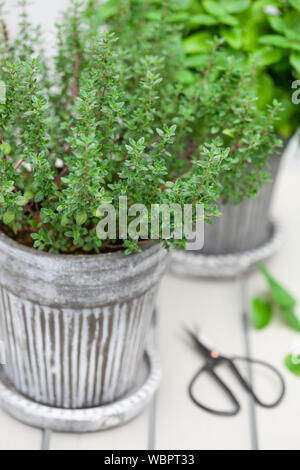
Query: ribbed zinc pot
pixel 245 226
pixel 75 327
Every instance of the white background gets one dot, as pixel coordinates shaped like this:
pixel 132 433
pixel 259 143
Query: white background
pixel 43 12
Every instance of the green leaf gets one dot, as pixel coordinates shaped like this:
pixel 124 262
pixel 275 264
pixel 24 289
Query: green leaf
pixel 214 8
pixel 21 201
pixel 202 19
pixel 291 365
pixel 229 20
pixel 295 61
pixel 198 42
pixel 154 15
pixel 234 37
pixel 186 77
pixel 29 195
pixel 252 33
pixel 39 197
pixel 6 148
pixel 295 4
pixel 181 17
pixel 8 217
pixel 107 10
pixel 279 41
pixel 229 133
pixel 280 295
pixel 195 61
pixel 262 312
pixel 267 56
pixel 290 317
pixel 265 90
pixel 235 6
pixel 277 24
pixel 65 221
pixel 81 217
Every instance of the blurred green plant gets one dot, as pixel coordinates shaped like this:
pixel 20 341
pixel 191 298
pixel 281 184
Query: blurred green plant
pixel 293 364
pixel 278 298
pixel 263 32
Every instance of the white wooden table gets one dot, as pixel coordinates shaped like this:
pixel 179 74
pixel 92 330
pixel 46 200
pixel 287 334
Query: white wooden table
pixel 172 421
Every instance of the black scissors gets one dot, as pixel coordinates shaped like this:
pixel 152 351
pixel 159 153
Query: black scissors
pixel 212 360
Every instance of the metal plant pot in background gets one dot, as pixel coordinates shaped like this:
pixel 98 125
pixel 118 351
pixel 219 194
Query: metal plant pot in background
pixel 75 327
pixel 245 226
pixel 236 241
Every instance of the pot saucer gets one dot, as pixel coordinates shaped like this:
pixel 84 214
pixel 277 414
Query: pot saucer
pixel 197 265
pixel 89 419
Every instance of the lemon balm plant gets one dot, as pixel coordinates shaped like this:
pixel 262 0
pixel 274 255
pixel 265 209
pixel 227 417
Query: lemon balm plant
pixel 258 31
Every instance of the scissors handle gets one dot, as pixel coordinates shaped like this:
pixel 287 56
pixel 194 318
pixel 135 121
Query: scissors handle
pixel 249 388
pixel 208 369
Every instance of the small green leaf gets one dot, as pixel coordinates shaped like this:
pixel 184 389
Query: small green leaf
pixel 197 61
pixel 186 77
pixel 81 217
pixel 280 295
pixel 277 24
pixel 229 20
pixel 107 10
pixel 198 42
pixel 154 15
pixel 295 61
pixel 202 19
pixel 295 4
pixel 234 37
pixel 21 201
pixel 291 365
pixel 8 217
pixel 267 56
pixel 65 221
pixel 6 148
pixel 261 313
pixel 235 6
pixel 265 90
pixel 229 133
pixel 28 195
pixel 39 197
pixel 214 8
pixel 279 41
pixel 290 317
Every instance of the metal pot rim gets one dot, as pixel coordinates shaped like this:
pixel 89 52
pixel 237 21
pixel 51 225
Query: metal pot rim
pixel 64 257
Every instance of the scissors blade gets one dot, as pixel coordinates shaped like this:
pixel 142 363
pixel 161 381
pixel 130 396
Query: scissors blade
pixel 199 341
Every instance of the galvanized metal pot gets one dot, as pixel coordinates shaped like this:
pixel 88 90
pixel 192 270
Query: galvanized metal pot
pixel 245 226
pixel 75 326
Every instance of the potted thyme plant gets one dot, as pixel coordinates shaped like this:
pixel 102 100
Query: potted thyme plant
pixel 223 97
pixel 75 308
